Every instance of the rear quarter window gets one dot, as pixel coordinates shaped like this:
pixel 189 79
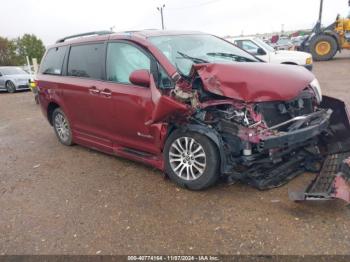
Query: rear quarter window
pixel 53 61
pixel 86 61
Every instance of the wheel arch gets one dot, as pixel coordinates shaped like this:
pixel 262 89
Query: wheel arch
pixel 289 63
pixel 50 108
pixel 213 135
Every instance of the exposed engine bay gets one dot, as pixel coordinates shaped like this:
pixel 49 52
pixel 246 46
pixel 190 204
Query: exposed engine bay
pixel 267 143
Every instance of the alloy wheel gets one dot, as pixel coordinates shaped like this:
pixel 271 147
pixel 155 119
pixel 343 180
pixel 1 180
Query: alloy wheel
pixel 10 87
pixel 62 127
pixel 187 158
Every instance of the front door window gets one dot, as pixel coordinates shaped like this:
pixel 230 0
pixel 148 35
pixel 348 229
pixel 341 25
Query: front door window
pixel 122 60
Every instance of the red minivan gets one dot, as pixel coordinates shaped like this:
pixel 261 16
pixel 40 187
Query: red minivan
pixel 190 104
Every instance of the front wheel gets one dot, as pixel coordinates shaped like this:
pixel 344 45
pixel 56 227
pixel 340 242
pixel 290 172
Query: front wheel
pixel 191 160
pixel 323 47
pixel 10 87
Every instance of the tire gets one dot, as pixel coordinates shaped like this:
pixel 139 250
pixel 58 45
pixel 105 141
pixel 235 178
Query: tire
pixel 10 87
pixel 191 170
pixel 61 126
pixel 323 47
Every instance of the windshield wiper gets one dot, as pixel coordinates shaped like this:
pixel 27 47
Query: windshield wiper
pixel 229 55
pixel 194 59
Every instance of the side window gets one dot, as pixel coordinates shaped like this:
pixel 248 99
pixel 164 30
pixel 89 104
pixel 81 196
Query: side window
pixel 53 61
pixel 86 61
pixel 250 47
pixel 122 60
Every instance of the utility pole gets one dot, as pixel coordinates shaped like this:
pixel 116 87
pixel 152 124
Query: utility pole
pixel 317 28
pixel 160 9
pixel 320 12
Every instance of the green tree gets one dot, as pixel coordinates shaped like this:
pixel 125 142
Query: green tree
pixel 31 46
pixel 8 56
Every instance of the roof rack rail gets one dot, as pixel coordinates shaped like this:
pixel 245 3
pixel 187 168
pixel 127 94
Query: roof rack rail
pixel 84 34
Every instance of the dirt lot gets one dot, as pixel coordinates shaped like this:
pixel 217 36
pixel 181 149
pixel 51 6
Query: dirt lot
pixel 72 200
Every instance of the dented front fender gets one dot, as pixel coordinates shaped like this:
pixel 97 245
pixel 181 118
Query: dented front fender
pixel 165 106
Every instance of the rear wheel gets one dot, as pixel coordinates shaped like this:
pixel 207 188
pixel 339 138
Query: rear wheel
pixel 62 127
pixel 10 87
pixel 323 47
pixel 191 160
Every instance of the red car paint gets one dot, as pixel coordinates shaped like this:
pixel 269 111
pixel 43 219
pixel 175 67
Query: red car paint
pixel 130 117
pixel 164 106
pixel 254 82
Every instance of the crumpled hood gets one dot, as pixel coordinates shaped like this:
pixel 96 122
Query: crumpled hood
pixel 254 82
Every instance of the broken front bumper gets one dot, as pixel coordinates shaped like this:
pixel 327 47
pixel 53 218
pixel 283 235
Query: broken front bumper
pixel 290 138
pixel 287 154
pixel 324 142
pixel 333 180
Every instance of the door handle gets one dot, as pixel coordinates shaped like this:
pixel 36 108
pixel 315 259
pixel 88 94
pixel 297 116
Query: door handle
pixel 106 92
pixel 93 90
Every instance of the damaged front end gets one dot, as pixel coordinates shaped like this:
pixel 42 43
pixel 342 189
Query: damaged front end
pixel 268 132
pixel 267 144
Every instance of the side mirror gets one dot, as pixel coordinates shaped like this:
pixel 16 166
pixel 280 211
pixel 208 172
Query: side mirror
pixel 261 51
pixel 140 78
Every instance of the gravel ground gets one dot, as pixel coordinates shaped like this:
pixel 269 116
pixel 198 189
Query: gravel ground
pixel 72 200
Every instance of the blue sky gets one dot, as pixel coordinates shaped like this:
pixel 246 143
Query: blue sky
pixel 53 19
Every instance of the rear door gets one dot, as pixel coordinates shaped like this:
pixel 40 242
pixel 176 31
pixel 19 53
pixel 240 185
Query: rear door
pixel 82 87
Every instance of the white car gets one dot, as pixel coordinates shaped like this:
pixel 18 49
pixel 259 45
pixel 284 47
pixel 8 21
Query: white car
pixel 13 79
pixel 267 53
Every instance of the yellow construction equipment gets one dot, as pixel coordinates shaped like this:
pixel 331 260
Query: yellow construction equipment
pixel 324 43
